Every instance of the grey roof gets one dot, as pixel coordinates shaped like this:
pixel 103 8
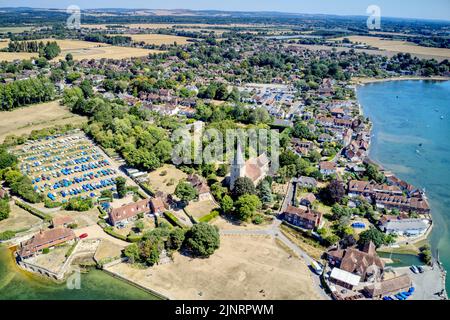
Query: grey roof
pixel 405 224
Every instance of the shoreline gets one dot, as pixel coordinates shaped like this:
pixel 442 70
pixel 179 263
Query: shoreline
pixel 364 80
pixel 361 82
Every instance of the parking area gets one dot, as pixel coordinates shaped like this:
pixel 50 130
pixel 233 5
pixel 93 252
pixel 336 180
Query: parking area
pixel 427 285
pixel 65 166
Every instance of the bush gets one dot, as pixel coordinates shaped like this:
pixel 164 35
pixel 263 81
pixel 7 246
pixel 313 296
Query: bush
pixel 172 219
pixel 4 209
pixel 7 235
pixel 33 211
pixel 51 204
pixel 258 219
pixel 79 204
pixel 213 214
pixel 45 250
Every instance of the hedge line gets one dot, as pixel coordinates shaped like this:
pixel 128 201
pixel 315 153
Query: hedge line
pixel 213 214
pixel 34 211
pixel 147 189
pixel 173 220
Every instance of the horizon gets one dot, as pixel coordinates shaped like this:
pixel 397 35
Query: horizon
pixel 414 9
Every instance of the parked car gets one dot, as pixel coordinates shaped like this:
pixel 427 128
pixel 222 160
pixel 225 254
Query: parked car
pixel 414 269
pixel 420 269
pixel 84 235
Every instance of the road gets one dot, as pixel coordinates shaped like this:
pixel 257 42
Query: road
pixel 274 231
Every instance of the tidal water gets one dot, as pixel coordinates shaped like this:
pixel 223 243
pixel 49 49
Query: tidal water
pixel 16 284
pixel 411 137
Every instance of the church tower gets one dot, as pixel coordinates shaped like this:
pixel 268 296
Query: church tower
pixel 237 167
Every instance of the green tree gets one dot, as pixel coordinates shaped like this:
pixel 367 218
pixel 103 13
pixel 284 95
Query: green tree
pixel 333 193
pixel 246 206
pixel 265 192
pixel 374 235
pixel 4 209
pixel 243 185
pixel 176 238
pixel 121 187
pixel 185 191
pixel 132 253
pixel 226 204
pixel 203 239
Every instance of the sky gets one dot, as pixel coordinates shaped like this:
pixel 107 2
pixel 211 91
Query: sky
pixel 422 9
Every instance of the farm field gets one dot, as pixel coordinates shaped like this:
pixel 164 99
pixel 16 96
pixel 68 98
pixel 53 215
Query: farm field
pixel 24 120
pixel 158 39
pixel 11 56
pixel 171 25
pixel 82 50
pixel 244 267
pixel 14 29
pixel 401 46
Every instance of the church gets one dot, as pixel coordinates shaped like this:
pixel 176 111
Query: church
pixel 256 169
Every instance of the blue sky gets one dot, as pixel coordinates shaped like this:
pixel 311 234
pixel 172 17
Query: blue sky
pixel 426 9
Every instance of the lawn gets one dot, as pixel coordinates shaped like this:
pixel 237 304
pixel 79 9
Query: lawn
pixel 198 209
pixel 243 268
pixel 165 179
pixel 19 219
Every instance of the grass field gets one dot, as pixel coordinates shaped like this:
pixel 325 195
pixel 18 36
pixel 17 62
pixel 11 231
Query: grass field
pixel 82 50
pixel 198 209
pixel 401 46
pixel 11 56
pixel 165 182
pixel 24 120
pixel 158 39
pixel 243 268
pixel 14 29
pixel 19 219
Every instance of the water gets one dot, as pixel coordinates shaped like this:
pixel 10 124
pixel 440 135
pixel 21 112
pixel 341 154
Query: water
pixel 401 260
pixel 412 138
pixel 95 285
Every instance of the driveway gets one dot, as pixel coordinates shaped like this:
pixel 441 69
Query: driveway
pixel 96 232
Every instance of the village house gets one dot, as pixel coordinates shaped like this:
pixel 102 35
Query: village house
pixel 45 239
pixel 62 221
pixel 388 287
pixel 128 212
pixel 201 186
pixel 344 278
pixel 308 200
pixel 303 218
pixel 327 168
pixel 365 263
pixel 306 182
pixel 157 206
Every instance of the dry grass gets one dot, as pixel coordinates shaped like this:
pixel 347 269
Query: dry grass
pixel 168 182
pixel 243 268
pixel 14 29
pixel 11 56
pixel 158 39
pixel 198 209
pixel 83 50
pixel 24 120
pixel 18 219
pixel 401 46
